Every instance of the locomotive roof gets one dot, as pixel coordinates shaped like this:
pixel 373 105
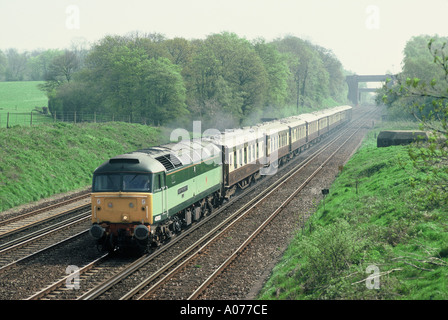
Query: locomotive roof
pixel 130 162
pixel 161 158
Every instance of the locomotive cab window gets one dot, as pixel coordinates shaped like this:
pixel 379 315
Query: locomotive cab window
pixel 134 182
pixel 106 182
pixel 159 182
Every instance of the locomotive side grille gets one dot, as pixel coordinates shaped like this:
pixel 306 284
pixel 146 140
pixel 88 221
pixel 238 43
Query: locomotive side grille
pixel 166 162
pixel 170 162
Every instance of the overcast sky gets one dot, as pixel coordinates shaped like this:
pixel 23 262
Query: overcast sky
pixel 368 36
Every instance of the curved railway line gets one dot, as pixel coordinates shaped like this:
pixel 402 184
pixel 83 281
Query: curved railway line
pixel 181 263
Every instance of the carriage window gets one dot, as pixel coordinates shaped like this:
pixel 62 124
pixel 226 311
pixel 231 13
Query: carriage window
pixel 245 155
pixel 234 157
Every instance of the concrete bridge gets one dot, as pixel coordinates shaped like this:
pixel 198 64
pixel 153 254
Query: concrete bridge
pixel 354 91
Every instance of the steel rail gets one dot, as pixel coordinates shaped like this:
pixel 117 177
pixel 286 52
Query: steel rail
pixel 41 221
pixel 38 211
pixel 19 242
pixel 43 234
pixel 59 283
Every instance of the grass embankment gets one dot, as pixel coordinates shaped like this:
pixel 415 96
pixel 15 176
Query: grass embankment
pixel 374 222
pixel 40 161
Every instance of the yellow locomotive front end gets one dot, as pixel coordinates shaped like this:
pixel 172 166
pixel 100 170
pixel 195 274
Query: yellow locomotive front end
pixel 122 203
pixel 121 214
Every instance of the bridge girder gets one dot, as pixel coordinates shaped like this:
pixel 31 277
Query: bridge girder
pixel 353 81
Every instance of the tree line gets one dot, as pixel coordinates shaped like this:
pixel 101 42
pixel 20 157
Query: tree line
pixel 34 65
pixel 224 80
pixel 421 94
pixel 421 82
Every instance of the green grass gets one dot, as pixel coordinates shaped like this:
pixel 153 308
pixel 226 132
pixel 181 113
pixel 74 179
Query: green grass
pixel 39 161
pixel 374 216
pixel 21 96
pixel 18 99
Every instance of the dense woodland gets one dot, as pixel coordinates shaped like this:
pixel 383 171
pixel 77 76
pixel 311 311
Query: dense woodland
pixel 224 80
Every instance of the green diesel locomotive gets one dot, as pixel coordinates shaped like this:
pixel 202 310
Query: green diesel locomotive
pixel 144 197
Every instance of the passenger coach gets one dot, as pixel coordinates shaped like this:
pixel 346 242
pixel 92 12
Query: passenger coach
pixel 243 155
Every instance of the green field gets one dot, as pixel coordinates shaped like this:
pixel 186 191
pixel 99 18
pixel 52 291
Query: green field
pixel 19 99
pixel 375 221
pixel 21 96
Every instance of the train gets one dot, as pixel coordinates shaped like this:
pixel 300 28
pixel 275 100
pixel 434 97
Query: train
pixel 143 198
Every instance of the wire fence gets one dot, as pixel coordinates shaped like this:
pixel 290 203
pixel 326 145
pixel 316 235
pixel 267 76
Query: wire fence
pixel 11 119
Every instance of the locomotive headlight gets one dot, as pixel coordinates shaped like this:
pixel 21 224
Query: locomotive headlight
pixel 125 218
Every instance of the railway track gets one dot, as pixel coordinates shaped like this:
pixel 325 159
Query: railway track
pixel 162 273
pixel 40 216
pixel 27 247
pixel 26 235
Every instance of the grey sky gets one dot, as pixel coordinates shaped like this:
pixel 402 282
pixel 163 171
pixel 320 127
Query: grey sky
pixel 368 36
